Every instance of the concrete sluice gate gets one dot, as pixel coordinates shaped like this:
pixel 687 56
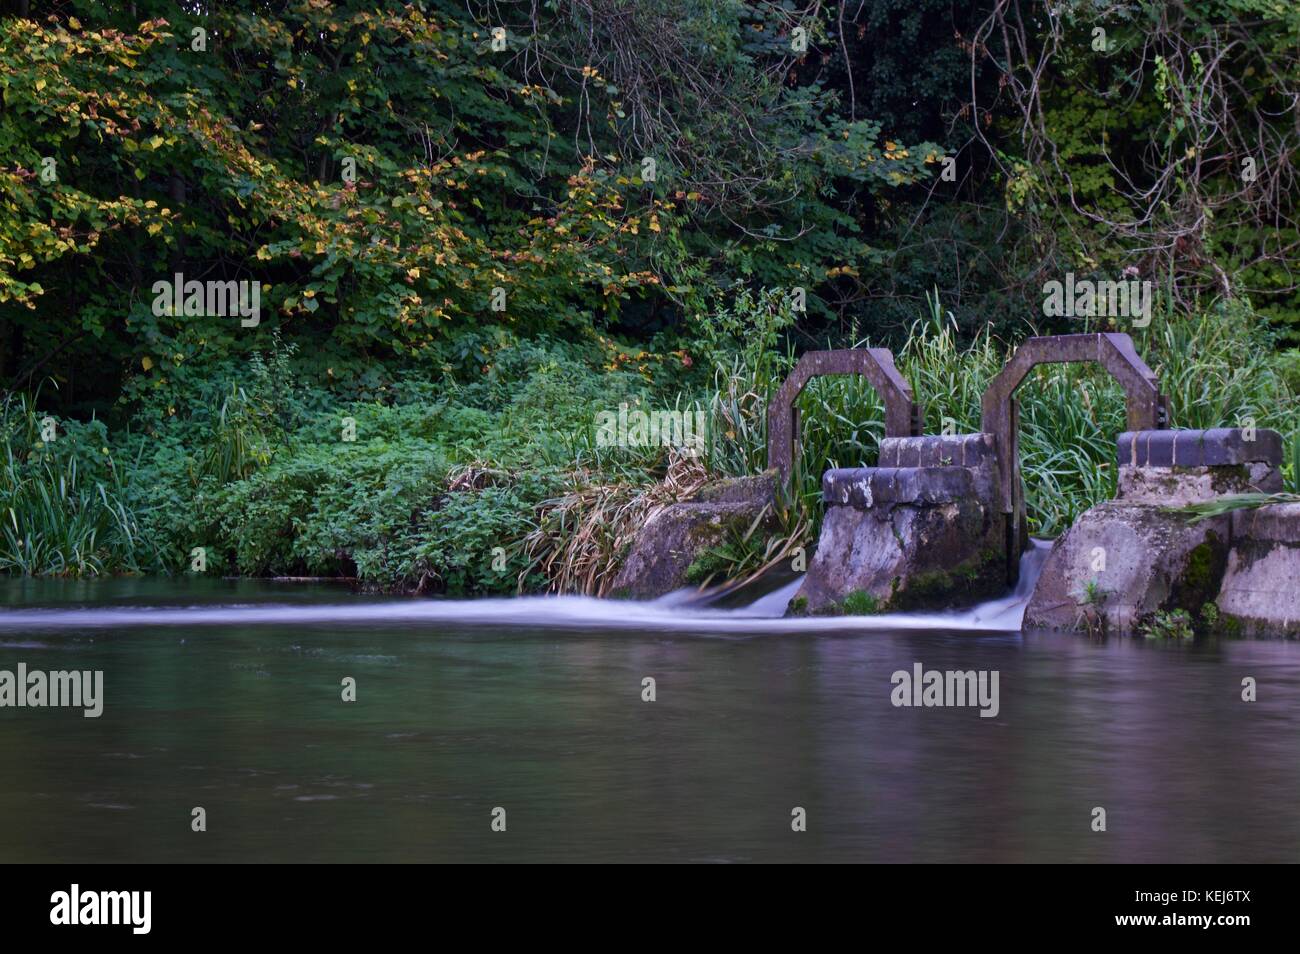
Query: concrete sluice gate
pixel 939 523
pixel 923 530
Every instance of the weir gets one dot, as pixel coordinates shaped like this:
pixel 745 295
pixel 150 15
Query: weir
pixel 941 519
pixel 921 530
pixel 939 522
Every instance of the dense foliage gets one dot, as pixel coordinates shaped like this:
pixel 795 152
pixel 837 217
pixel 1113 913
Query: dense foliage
pixel 380 174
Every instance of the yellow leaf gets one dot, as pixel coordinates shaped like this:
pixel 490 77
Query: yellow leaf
pixel 40 85
pixel 146 362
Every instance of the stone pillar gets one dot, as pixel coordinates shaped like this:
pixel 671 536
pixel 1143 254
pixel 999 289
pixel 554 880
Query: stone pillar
pixel 1130 558
pixel 921 531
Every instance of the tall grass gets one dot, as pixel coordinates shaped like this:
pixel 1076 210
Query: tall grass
pixel 239 444
pixel 56 517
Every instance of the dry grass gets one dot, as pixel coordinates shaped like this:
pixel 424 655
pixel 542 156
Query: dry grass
pixel 582 536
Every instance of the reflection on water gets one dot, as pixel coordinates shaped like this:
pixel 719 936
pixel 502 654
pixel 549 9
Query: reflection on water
pixel 464 708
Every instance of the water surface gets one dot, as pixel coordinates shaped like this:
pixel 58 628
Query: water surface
pixel 227 696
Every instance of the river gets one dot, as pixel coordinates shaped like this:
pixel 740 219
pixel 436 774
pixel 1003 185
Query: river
pixel 228 696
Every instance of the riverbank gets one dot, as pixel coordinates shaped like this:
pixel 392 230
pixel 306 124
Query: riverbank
pixel 509 484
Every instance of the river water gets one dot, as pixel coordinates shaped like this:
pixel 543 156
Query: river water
pixel 227 696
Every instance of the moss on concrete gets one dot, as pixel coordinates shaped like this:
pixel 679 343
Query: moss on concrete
pixel 704 566
pixel 704 538
pixel 1229 479
pixel 860 603
pixel 1197 574
pixel 1202 574
pixel 982 576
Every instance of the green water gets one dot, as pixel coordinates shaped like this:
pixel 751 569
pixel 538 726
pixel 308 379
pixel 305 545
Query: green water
pixel 540 712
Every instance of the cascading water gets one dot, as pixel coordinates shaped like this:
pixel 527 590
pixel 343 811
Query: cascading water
pixel 1008 612
pixel 680 611
pixel 1004 613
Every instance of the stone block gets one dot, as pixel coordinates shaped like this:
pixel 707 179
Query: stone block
pixel 756 490
pixel 1260 594
pixel 921 554
pixel 864 487
pixel 1178 486
pixel 1218 447
pixel 938 450
pixel 1137 560
pixel 672 540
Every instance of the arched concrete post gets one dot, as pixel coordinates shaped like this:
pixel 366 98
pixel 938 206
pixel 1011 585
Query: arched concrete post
pixel 902 416
pixel 1000 413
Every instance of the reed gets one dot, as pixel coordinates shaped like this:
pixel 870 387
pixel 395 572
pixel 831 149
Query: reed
pixel 55 518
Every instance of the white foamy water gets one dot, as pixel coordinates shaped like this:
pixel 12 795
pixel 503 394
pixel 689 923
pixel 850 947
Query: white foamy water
pixel 1008 612
pixel 673 612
